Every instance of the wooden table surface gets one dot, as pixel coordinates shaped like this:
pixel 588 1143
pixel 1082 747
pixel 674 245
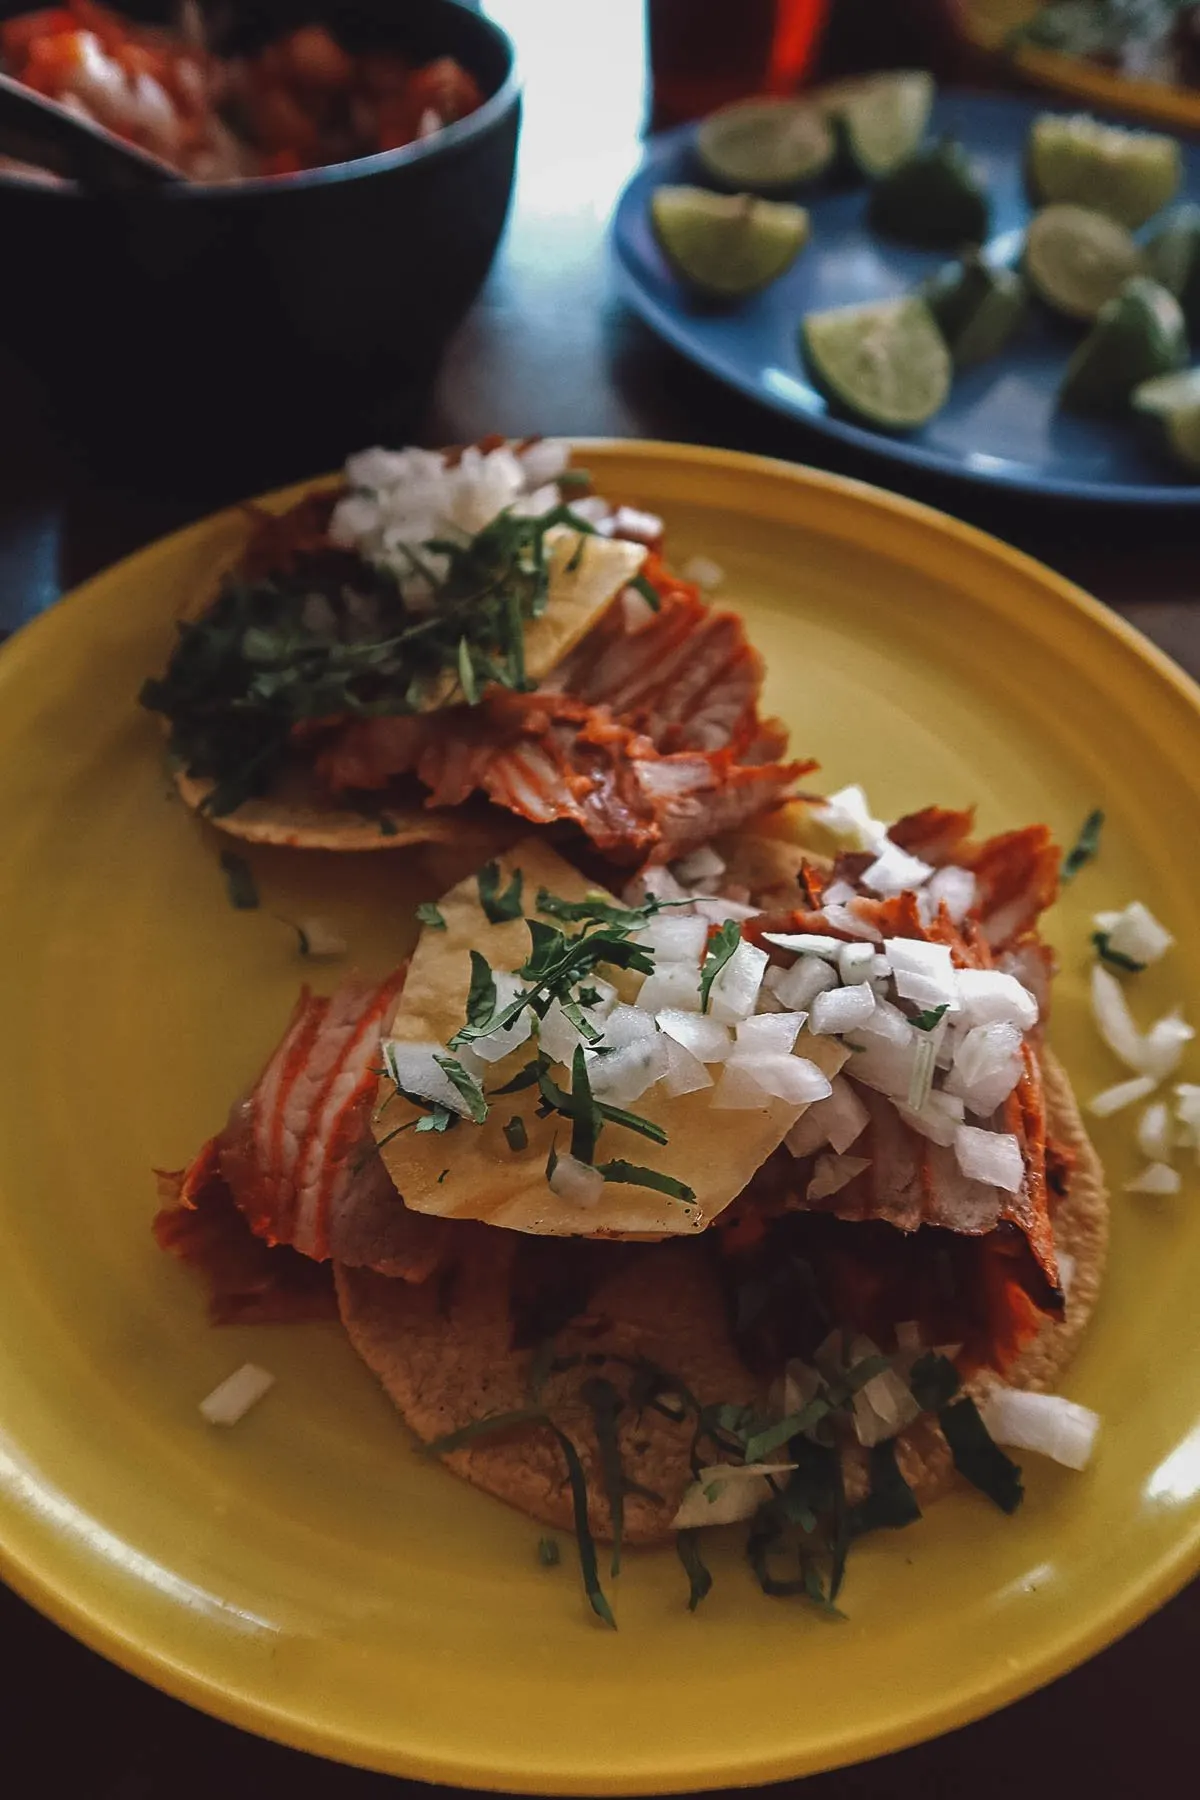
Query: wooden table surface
pixel 548 349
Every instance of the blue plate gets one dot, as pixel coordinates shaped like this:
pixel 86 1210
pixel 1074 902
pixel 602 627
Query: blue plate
pixel 1001 424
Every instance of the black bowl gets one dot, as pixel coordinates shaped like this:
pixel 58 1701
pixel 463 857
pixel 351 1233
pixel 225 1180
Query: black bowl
pixel 270 323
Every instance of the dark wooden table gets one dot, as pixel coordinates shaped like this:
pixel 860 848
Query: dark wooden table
pixel 548 349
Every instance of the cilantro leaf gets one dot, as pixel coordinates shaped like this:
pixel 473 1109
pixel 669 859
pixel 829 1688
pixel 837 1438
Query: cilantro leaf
pixel 499 907
pixel 583 1533
pixel 481 994
pixel 890 1504
pixel 585 1114
pixel 687 1548
pixel 429 914
pixel 438 1118
pixel 468 1087
pixel 648 591
pixel 934 1381
pixel 1085 847
pixel 721 947
pixel 605 1405
pixel 978 1458
pixel 930 1020
pixel 525 1077
pixel 1116 957
pixel 466 673
pixel 549 1554
pixel 633 1175
pixel 239 881
pixel 516 1134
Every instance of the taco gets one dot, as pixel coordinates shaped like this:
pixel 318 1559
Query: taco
pixel 678 1208
pixel 449 647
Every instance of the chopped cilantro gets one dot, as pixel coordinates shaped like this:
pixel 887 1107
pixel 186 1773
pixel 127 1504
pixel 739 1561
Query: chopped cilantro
pixel 481 995
pixel 929 1021
pixel 1116 957
pixel 978 1458
pixel 933 1380
pixel 549 1554
pixel 633 1175
pixel 583 1531
pixel 468 1087
pixel 516 1134
pixel 438 1118
pixel 442 1176
pixel 648 591
pixel 499 907
pixel 429 914
pixel 721 947
pixel 239 881
pixel 687 1548
pixel 1085 847
pixel 890 1503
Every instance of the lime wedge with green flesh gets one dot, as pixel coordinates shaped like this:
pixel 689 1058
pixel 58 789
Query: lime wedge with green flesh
pixel 1171 403
pixel 931 200
pixel 879 119
pixel 1077 259
pixel 765 146
pixel 1138 335
pixel 977 307
pixel 884 363
pixel 1127 174
pixel 726 246
pixel 1173 257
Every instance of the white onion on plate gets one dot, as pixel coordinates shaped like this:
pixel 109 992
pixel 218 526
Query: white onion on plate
pixel 576 1181
pixel 1135 933
pixel 232 1398
pixel 719 912
pixel 498 1044
pixel 990 997
pixel 987 1066
pixel 1115 1021
pixel 686 1074
pixel 857 963
pixel 699 866
pixel 839 1120
pixel 883 1406
pixel 703 1036
pixel 413 1068
pixel 737 1490
pixel 797 987
pixel 623 1076
pixel 833 1173
pixel 845 918
pixel 706 573
pixel 847 817
pixel 807 943
pixel 991 1156
pixel 1121 1094
pixel 922 972
pixel 627 1025
pixel 952 888
pixel 768 1034
pixel 894 871
pixel 938 1119
pixel 842 1009
pixel 1163 1045
pixel 1155 1178
pixel 733 994
pixel 748 1083
pixel 675 937
pixel 1044 1423
pixel 673 986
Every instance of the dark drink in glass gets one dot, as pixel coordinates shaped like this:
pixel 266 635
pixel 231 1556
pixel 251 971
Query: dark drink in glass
pixel 706 52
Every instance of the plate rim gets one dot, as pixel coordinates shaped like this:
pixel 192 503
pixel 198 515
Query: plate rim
pixel 104 1633
pixel 1177 497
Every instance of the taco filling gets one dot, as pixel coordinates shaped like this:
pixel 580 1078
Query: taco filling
pixel 731 1197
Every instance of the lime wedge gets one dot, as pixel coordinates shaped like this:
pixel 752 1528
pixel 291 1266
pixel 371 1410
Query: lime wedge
pixel 885 363
pixel 1172 403
pixel 1138 335
pixel 932 199
pixel 1076 259
pixel 726 245
pixel 1173 257
pixel 1127 174
pixel 764 146
pixel 879 119
pixel 977 307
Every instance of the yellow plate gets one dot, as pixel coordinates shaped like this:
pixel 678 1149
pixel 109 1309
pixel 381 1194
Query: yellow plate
pixel 305 1574
pixel 988 22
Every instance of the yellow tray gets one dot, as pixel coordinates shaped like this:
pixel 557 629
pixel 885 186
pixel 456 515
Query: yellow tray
pixel 306 1575
pixel 987 24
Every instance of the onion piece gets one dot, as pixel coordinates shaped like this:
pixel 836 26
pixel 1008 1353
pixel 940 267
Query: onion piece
pixel 839 1120
pixel 796 988
pixel 638 527
pixel 672 986
pixel 1115 1021
pixel 675 937
pixel 938 1119
pixel 699 866
pixel 1066 1272
pixel 990 1156
pixel 1155 1178
pixel 576 1181
pixel 636 611
pixel 733 994
pixel 806 943
pixel 499 1044
pixel 412 1067
pixel 832 1174
pixel 544 460
pixel 856 963
pixel 627 1025
pixel 232 1398
pixel 801 1383
pixel 990 997
pixel 1044 1423
pixel 751 1082
pixel 1163 1045
pixel 719 912
pixel 883 1406
pixel 922 972
pixel 1122 1094
pixel 704 572
pixel 844 918
pixel 768 1034
pixel 686 1074
pixel 623 1076
pixel 842 1009
pixel 894 871
pixel 703 1037
pixel 654 883
pixel 1135 933
pixel 839 893
pixel 847 817
pixel 952 888
pixel 987 1066
pixel 737 1490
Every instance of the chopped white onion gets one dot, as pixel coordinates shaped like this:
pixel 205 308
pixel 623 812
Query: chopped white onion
pixel 894 871
pixel 845 918
pixel 675 938
pixel 990 997
pixel 686 1074
pixel 922 972
pixel 801 1383
pixel 591 509
pixel 627 1025
pixel 847 817
pixel 498 1044
pixel 987 1066
pixel 704 1037
pixel 623 1076
pixel 889 1023
pixel 737 1491
pixel 1155 1178
pixel 807 943
pixel 1163 1045
pixel 672 985
pixel 839 1120
pixel 319 940
pixel 704 572
pixel 638 527
pixel 796 988
pixel 856 963
pixel 952 888
pixel 544 460
pixel 842 1009
pixel 1044 1423
pixel 1066 1272
pixel 558 1037
pixel 750 1082
pixel 733 994
pixel 839 893
pixel 576 1181
pixel 1135 933
pixel 412 1068
pixel 885 1066
pixel 832 1173
pixel 883 1406
pixel 938 1119
pixel 772 1034
pixel 655 882
pixel 232 1398
pixel 1122 1094
pixel 1115 1021
pixel 719 912
pixel 991 1156
pixel 699 866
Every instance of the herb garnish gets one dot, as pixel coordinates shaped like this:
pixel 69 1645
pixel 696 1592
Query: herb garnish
pixel 429 914
pixel 1085 847
pixel 930 1020
pixel 499 908
pixel 648 591
pixel 721 947
pixel 549 1554
pixel 239 881
pixel 516 1134
pixel 467 1086
pixel 890 1504
pixel 978 1458
pixel 687 1548
pixel 1117 958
